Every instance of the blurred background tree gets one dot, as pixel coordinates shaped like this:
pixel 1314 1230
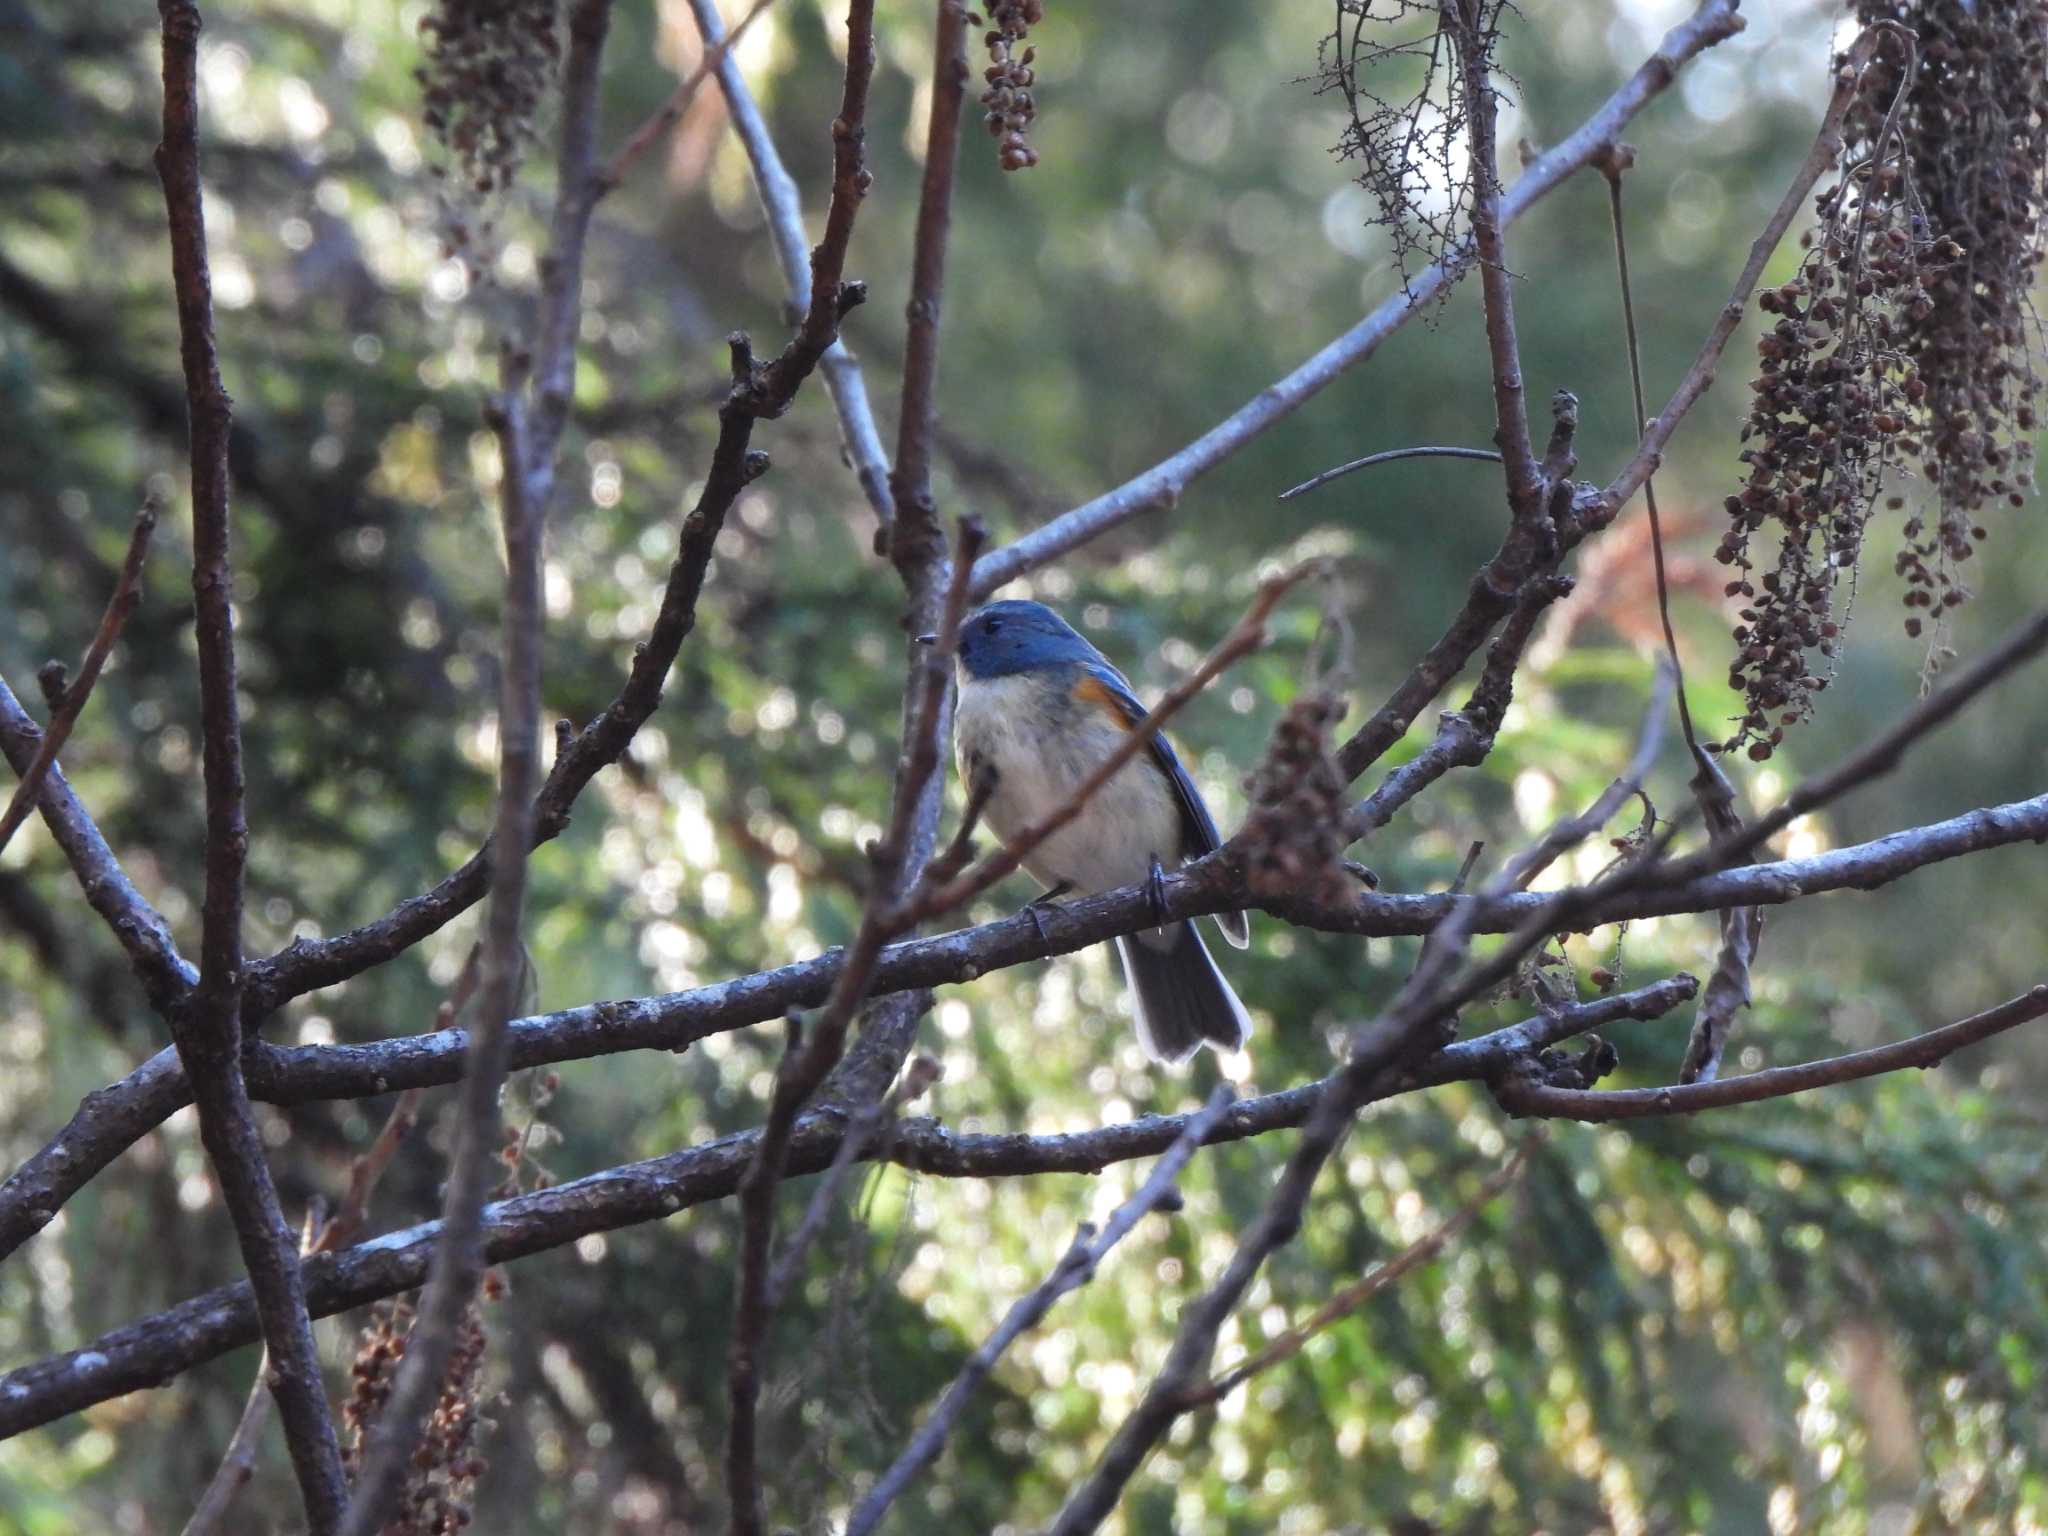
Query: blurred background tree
pixel 1825 1314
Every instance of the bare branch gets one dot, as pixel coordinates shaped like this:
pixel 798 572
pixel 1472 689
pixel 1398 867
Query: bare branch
pixel 1076 1268
pixel 1520 1097
pixel 843 381
pixel 154 1349
pixel 107 1123
pixel 897 858
pixel 64 713
pixel 1383 1054
pixel 1356 1295
pixel 1471 25
pixel 935 595
pixel 1391 455
pixel 1463 737
pixel 1161 486
pixel 206 1023
pixel 115 1117
pixel 141 930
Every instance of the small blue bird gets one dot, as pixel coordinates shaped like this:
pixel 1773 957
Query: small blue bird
pixel 1039 710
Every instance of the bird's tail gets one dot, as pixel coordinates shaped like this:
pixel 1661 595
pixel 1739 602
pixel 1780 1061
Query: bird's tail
pixel 1179 997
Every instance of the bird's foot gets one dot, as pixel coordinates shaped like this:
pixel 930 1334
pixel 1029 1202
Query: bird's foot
pixel 1049 897
pixel 1155 889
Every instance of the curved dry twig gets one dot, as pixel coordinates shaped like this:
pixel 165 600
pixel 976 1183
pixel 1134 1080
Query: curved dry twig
pixel 65 714
pixel 1389 456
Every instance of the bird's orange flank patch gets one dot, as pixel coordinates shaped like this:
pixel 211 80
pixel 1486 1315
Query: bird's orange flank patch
pixel 1089 689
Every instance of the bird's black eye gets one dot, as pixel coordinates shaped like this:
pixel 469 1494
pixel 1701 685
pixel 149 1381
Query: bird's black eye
pixel 994 625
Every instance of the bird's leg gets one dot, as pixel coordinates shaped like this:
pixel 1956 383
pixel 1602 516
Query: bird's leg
pixel 1155 889
pixel 1046 898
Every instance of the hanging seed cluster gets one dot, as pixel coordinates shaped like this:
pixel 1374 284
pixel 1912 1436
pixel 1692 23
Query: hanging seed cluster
pixel 1292 842
pixel 1009 101
pixel 440 1486
pixel 1903 342
pixel 489 66
pixel 1975 115
pixel 1834 398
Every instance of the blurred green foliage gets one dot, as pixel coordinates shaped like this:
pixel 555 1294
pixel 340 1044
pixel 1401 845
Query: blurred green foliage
pixel 1826 1314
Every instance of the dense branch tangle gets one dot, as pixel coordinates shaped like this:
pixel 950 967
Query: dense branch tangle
pixel 1410 1048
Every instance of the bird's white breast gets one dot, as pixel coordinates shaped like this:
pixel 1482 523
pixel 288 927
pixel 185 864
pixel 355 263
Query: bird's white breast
pixel 1042 745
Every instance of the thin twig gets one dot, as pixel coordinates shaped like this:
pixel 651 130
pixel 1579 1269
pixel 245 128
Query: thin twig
pixel 1391 455
pixel 670 112
pixel 206 1023
pixel 1464 737
pixel 140 929
pixel 238 1462
pixel 843 381
pixel 1614 167
pixel 65 713
pixel 1517 584
pixel 1470 24
pixel 1521 1097
pixel 1076 1268
pixel 1357 1294
pixel 916 533
pixel 1572 831
pixel 459 1260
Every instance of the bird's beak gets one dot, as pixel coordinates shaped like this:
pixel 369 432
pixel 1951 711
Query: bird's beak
pixel 927 639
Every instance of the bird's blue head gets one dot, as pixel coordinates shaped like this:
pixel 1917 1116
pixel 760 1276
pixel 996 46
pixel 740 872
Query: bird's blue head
pixel 1010 637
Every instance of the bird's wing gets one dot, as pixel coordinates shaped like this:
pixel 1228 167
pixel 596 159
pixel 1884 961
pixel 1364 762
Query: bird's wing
pixel 1101 686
